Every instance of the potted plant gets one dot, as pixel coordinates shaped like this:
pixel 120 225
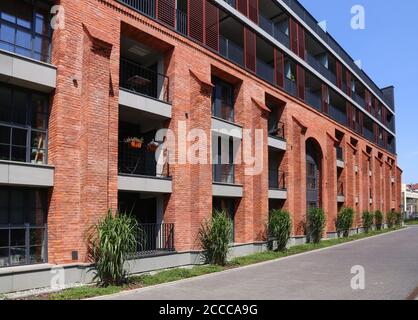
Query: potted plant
pixel 152 146
pixel 134 142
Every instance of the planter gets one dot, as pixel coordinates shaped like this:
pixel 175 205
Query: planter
pixel 152 146
pixel 135 144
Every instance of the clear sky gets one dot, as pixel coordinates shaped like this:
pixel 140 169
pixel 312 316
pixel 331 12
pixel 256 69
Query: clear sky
pixel 387 56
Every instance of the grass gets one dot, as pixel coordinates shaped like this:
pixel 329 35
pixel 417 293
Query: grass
pixel 411 222
pixel 185 273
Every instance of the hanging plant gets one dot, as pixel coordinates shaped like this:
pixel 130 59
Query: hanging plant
pixel 153 146
pixel 134 142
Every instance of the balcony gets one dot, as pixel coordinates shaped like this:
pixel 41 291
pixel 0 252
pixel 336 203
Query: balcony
pixel 368 134
pixel 146 7
pixel 277 184
pixel 337 114
pixel 224 173
pixel 154 239
pixel 360 100
pixel 318 66
pixel 265 71
pixel 340 157
pixel 340 193
pixel 231 50
pixel 181 22
pixel 144 81
pixel 290 87
pixel 276 136
pixel 313 99
pixel 273 29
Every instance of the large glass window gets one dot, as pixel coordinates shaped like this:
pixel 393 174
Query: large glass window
pixel 223 100
pixel 23 231
pixel 25 28
pixel 23 125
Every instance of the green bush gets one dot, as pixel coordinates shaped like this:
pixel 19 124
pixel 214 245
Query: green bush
pixel 111 241
pixel 214 237
pixel 398 218
pixel 280 228
pixel 315 224
pixel 391 219
pixel 367 218
pixel 344 221
pixel 378 219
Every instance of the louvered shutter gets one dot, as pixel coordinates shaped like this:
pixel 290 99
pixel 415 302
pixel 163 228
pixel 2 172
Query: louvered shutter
pixel 300 79
pixel 250 47
pixel 293 36
pixel 253 10
pixel 348 83
pixel 339 69
pixel 279 67
pixel 166 11
pixel 242 6
pixel 301 41
pixel 212 26
pixel 196 16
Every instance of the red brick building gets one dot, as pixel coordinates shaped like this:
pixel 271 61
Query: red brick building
pixel 73 95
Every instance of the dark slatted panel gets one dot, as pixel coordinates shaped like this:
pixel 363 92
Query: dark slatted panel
pixel 301 42
pixel 361 117
pixel 212 26
pixel 242 6
pixel 253 10
pixel 293 36
pixel 376 132
pixel 300 79
pixel 385 139
pixel 279 67
pixel 250 53
pixel 325 98
pixel 166 11
pixel 196 19
pixel 384 116
pixel 368 101
pixel 350 116
pixel 339 70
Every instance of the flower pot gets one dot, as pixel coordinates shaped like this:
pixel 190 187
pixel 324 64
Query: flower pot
pixel 135 144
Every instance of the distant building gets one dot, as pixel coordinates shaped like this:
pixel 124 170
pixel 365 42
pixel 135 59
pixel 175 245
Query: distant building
pixel 410 200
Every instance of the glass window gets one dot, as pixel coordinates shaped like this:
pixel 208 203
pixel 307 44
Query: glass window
pixel 223 100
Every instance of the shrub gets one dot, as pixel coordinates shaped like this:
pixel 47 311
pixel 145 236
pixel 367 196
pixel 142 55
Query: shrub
pixel 367 219
pixel 280 228
pixel 214 237
pixel 378 219
pixel 398 219
pixel 111 241
pixel 391 219
pixel 344 221
pixel 315 224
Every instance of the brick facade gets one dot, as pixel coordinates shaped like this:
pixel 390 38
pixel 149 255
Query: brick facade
pixel 83 135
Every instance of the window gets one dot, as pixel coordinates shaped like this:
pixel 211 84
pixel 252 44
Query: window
pixel 224 169
pixel 312 179
pixel 23 219
pixel 228 206
pixel 223 100
pixel 23 125
pixel 25 28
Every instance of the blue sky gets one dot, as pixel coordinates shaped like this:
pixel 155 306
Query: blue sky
pixel 387 57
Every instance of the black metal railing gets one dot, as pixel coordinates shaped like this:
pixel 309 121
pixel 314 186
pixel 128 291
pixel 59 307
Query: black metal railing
pixel 360 100
pixel 181 21
pixel 277 179
pixel 223 110
pixel 231 50
pixel 337 114
pixel 224 173
pixel 368 134
pixel 265 71
pixel 146 7
pixel 231 3
pixel 313 99
pixel 274 30
pixel 340 190
pixel 277 130
pixel 318 66
pixel 144 81
pixel 23 245
pixel 290 86
pixel 155 238
pixel 140 161
pixel 340 153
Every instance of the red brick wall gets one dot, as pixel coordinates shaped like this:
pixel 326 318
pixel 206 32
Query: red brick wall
pixel 84 132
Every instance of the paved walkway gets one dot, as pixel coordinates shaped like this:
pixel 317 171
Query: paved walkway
pixel 390 262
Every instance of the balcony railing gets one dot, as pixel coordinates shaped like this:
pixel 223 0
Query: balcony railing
pixel 340 190
pixel 368 134
pixel 231 3
pixel 277 179
pixel 140 162
pixel 337 114
pixel 277 131
pixel 340 154
pixel 231 50
pixel 318 66
pixel 223 111
pixel 155 238
pixel 146 7
pixel 274 30
pixel 224 173
pixel 181 21
pixel 290 87
pixel 143 80
pixel 265 71
pixel 313 99
pixel 360 100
